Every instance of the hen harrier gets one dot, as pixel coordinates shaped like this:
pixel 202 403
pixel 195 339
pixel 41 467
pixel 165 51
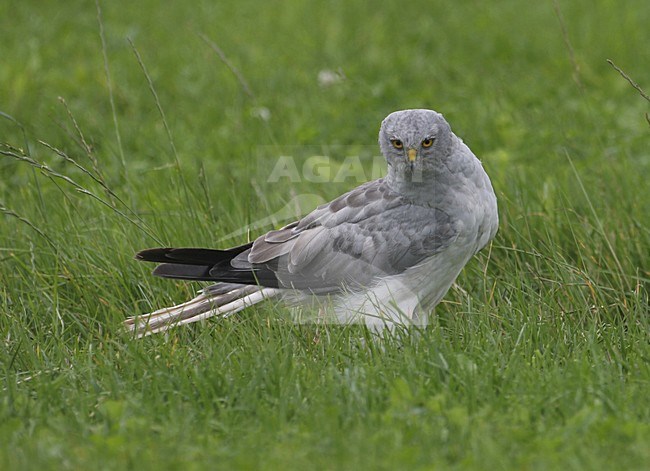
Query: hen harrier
pixel 384 253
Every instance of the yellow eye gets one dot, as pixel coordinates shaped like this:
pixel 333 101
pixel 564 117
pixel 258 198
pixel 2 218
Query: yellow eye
pixel 427 142
pixel 397 144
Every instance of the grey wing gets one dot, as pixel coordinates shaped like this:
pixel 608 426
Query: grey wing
pixel 364 234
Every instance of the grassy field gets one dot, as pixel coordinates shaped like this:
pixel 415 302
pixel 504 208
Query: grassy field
pixel 132 131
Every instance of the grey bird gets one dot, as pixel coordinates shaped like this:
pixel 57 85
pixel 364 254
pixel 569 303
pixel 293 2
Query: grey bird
pixel 383 254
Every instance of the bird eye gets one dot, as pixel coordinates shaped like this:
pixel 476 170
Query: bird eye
pixel 428 142
pixel 397 144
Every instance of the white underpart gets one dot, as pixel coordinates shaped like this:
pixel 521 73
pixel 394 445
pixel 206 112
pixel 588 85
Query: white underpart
pixel 405 299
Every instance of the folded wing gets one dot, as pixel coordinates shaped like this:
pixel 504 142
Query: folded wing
pixel 348 243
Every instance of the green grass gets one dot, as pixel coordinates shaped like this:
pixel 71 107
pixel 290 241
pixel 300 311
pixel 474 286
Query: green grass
pixel 538 359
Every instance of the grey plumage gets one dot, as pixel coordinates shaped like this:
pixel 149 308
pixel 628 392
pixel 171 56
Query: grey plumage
pixel 384 253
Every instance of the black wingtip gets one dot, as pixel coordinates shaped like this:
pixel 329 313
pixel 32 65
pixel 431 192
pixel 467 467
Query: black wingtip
pixel 184 272
pixel 206 265
pixel 189 255
pixel 158 255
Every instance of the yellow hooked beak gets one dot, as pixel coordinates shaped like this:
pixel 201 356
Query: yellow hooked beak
pixel 412 154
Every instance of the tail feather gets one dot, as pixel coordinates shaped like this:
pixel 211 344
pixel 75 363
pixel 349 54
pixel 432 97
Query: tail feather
pixel 213 301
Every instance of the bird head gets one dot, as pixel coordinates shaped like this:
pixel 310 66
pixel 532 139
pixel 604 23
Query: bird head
pixel 414 142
